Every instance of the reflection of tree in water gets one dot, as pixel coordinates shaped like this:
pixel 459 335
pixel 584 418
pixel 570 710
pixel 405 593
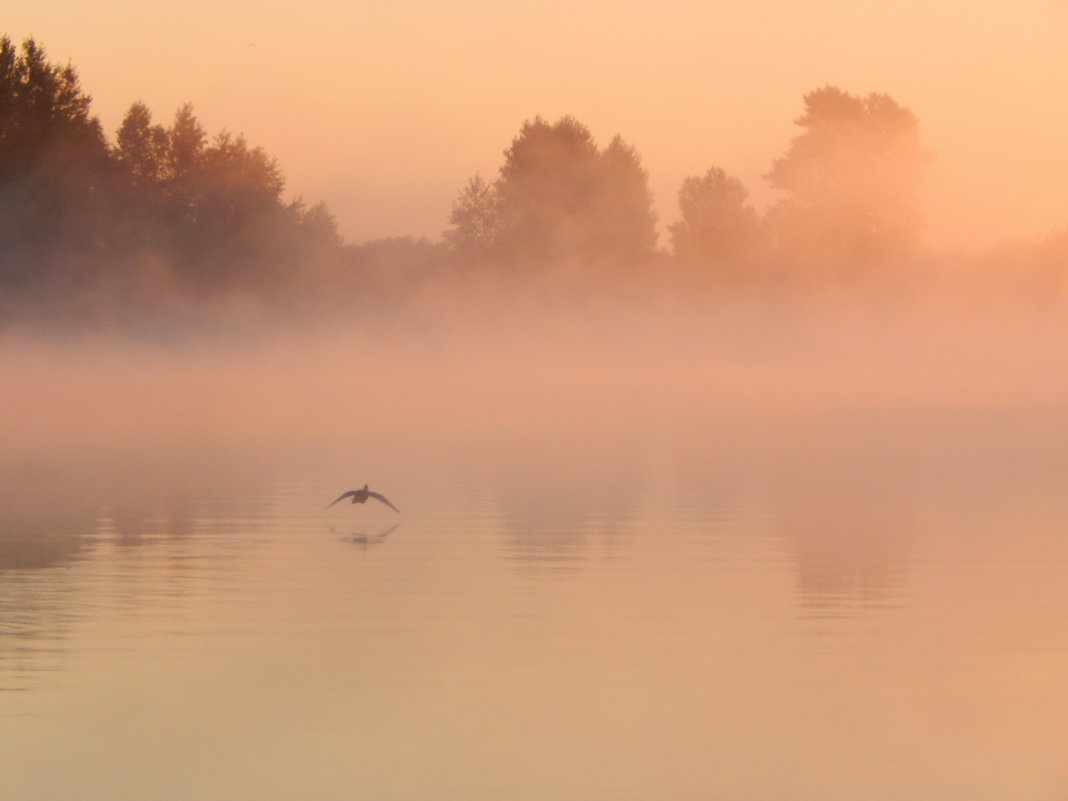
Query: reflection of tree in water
pixel 555 500
pixel 51 514
pixel 712 469
pixel 43 522
pixel 846 512
pixel 55 515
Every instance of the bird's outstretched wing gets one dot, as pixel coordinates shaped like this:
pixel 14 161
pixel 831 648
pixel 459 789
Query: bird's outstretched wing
pixel 382 498
pixel 342 497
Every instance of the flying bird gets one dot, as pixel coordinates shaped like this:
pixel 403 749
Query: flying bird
pixel 361 496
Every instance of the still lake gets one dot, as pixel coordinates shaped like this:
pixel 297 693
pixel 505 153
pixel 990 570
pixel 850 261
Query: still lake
pixel 872 606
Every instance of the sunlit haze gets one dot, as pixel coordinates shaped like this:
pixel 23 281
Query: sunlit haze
pixel 710 357
pixel 384 110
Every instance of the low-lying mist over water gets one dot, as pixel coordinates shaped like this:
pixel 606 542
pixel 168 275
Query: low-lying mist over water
pixel 519 367
pixel 631 545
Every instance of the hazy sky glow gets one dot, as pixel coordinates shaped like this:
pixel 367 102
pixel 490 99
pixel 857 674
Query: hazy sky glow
pixel 385 109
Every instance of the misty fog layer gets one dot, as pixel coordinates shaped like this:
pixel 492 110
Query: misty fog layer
pixel 469 382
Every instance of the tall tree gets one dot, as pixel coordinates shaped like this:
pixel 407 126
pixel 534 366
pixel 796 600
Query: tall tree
pixel 546 190
pixel 624 219
pixel 559 199
pixel 53 170
pixel 44 114
pixel 472 231
pixel 237 179
pixel 185 139
pixel 718 223
pixel 850 178
pixel 185 154
pixel 142 148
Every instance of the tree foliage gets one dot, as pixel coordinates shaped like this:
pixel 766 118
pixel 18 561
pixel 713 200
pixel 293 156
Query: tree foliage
pixel 44 114
pixel 850 178
pixel 717 222
pixel 473 219
pixel 559 200
pixel 142 149
pixel 624 206
pixel 53 170
pixel 168 213
pixel 166 208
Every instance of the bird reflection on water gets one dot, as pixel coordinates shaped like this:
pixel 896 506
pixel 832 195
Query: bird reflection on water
pixel 363 537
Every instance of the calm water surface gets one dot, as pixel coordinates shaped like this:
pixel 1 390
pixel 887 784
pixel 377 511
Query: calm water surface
pixel 861 609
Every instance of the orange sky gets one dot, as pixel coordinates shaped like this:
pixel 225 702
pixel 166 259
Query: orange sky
pixel 385 109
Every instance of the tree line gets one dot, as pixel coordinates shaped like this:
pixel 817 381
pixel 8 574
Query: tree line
pixel 164 215
pixel 848 181
pixel 159 210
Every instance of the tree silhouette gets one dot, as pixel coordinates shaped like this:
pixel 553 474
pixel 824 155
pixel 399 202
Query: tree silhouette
pixel 91 230
pixel 237 211
pixel 558 200
pixel 142 148
pixel 850 179
pixel 317 224
pixel 213 212
pixel 717 224
pixel 53 172
pixel 623 213
pixel 182 173
pixel 44 114
pixel 473 220
pixel 546 191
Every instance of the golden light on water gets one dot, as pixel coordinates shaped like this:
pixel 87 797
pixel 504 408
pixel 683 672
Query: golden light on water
pixel 777 522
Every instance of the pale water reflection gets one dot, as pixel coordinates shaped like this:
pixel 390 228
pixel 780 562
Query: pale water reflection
pixel 364 538
pixel 869 608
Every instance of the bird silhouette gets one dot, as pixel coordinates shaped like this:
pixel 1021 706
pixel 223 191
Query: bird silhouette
pixel 361 496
